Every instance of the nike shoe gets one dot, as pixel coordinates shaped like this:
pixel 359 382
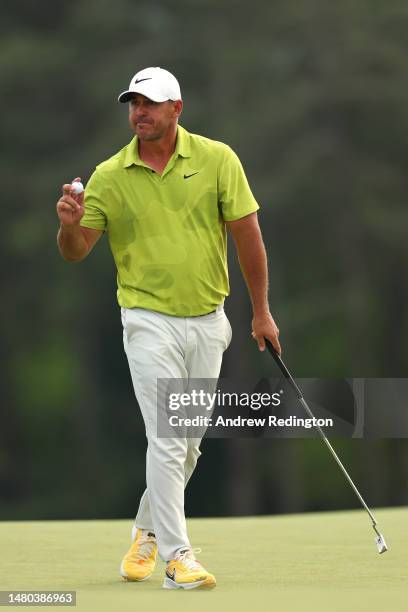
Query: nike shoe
pixel 139 562
pixel 185 572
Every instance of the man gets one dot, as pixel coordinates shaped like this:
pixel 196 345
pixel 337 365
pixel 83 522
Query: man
pixel 165 201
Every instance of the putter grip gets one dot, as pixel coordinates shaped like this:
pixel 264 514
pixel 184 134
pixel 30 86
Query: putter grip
pixel 282 367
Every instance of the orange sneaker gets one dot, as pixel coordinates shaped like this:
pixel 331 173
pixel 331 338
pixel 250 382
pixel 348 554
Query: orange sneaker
pixel 185 572
pixel 139 562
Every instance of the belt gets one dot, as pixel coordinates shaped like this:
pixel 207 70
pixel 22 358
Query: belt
pixel 207 313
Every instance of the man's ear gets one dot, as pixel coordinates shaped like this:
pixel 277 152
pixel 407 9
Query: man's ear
pixel 178 107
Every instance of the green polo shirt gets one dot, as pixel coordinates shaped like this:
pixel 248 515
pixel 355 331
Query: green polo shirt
pixel 167 232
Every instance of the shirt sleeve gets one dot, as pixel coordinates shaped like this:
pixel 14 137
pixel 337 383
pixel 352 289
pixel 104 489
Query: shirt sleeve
pixel 95 203
pixel 235 196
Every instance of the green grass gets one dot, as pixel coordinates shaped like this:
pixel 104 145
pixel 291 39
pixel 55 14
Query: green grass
pixel 285 563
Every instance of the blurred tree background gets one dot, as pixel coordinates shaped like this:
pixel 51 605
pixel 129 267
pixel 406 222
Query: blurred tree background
pixel 313 96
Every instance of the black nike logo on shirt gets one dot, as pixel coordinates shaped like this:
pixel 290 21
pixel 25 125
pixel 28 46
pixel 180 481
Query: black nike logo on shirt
pixel 186 176
pixel 140 80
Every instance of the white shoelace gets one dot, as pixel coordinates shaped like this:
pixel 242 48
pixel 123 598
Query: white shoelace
pixel 146 544
pixel 187 558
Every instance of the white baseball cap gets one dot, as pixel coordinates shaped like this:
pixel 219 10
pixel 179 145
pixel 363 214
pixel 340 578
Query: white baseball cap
pixel 156 84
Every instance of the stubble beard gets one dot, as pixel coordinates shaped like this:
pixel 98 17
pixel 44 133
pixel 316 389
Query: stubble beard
pixel 148 137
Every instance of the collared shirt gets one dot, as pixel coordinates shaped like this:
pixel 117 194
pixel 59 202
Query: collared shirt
pixel 167 232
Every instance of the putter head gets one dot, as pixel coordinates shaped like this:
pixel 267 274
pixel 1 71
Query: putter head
pixel 380 542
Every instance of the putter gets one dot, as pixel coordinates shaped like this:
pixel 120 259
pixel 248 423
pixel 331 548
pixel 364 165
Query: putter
pixel 379 539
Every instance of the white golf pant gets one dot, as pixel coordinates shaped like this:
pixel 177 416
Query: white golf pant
pixel 164 346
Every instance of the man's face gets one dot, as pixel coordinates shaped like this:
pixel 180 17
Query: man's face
pixel 152 120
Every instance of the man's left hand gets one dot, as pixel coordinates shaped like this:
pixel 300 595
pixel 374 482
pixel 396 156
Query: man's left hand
pixel 263 326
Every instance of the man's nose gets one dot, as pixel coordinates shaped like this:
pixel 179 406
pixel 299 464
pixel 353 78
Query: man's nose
pixel 140 112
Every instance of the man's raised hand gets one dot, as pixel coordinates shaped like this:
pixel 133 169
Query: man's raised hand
pixel 70 207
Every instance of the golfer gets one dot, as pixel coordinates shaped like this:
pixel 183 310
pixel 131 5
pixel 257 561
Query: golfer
pixel 165 201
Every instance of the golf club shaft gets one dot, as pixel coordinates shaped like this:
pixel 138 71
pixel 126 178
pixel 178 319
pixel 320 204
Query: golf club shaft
pixel 289 377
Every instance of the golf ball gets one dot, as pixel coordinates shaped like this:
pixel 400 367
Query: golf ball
pixel 77 187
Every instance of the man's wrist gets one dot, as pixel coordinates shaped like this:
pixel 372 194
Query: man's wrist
pixel 261 311
pixel 69 229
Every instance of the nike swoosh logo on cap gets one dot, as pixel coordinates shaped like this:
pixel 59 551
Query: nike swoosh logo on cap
pixel 140 80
